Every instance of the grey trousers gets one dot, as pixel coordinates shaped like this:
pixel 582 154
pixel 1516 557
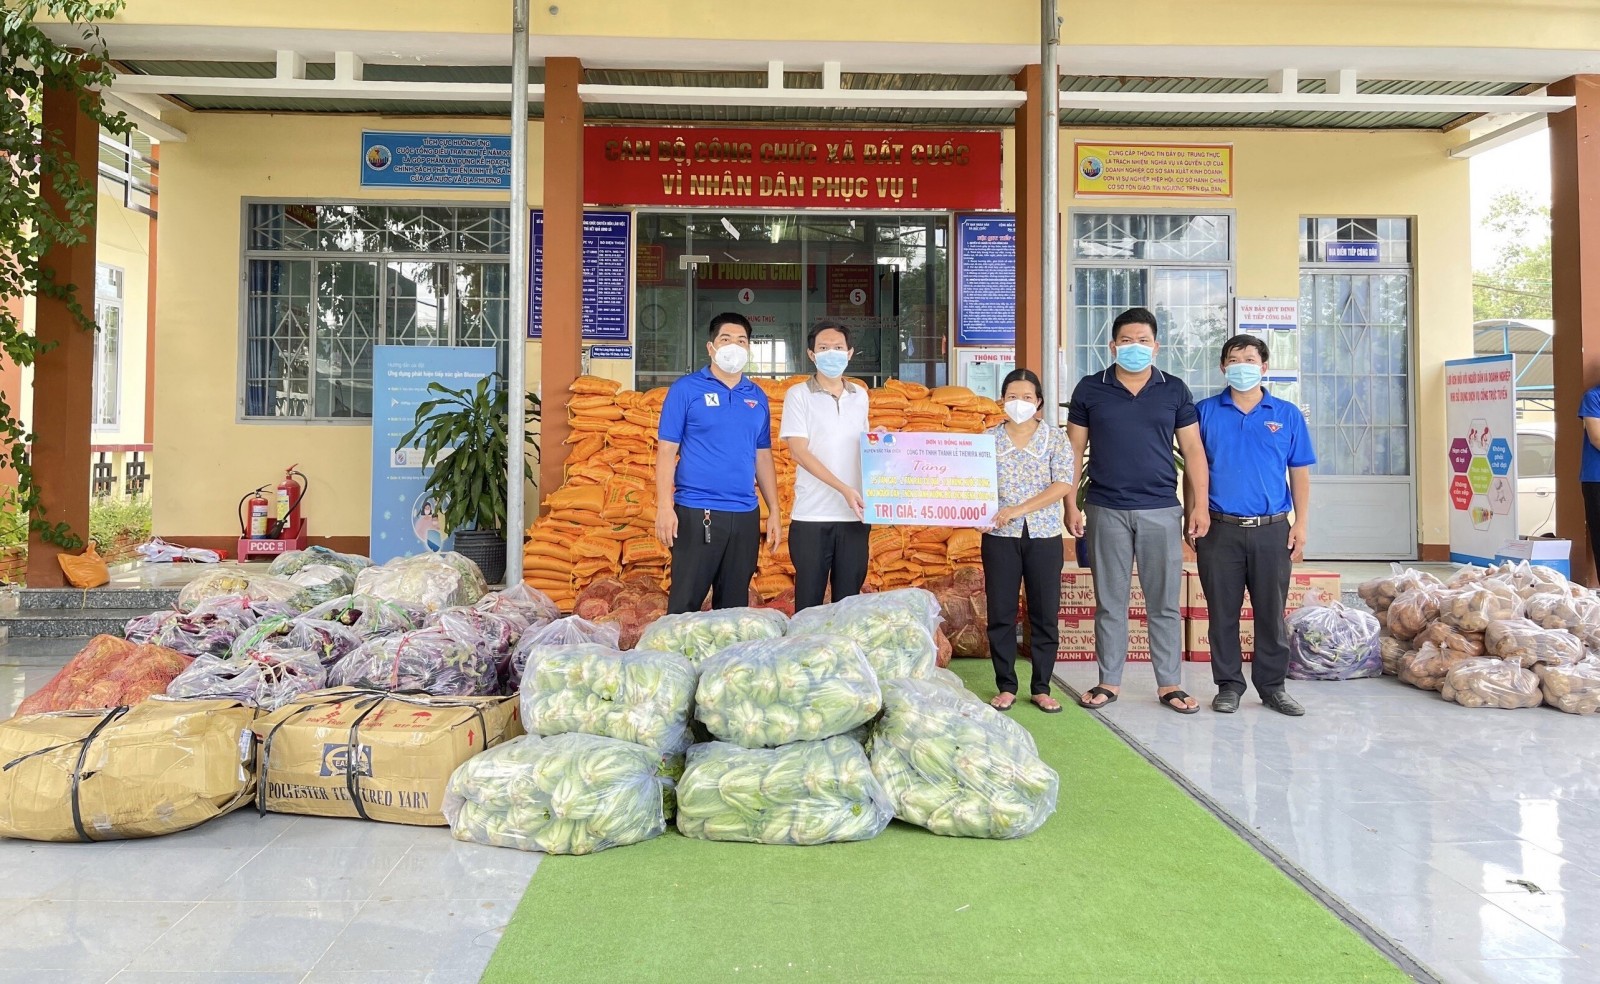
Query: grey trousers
pixel 1153 537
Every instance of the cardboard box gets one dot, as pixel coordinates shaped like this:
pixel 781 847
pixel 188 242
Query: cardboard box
pixel 1301 584
pixel 1540 552
pixel 395 753
pixel 1197 640
pixel 1077 640
pixel 158 767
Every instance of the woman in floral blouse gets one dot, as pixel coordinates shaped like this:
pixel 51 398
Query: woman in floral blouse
pixel 1023 550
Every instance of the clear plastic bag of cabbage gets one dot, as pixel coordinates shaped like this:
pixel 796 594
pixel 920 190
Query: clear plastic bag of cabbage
pixel 946 677
pixel 805 793
pixel 774 691
pixel 569 631
pixel 427 581
pixel 956 767
pixel 568 794
pixel 369 617
pixel 698 635
pixel 231 582
pixel 894 628
pixel 320 583
pixel 329 640
pixel 293 562
pixel 428 660
pixel 638 696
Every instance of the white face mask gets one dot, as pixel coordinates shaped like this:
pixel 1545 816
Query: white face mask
pixel 1020 411
pixel 732 358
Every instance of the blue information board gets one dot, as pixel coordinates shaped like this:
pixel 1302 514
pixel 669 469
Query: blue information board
pixel 986 280
pixel 404 520
pixel 459 161
pixel 1365 252
pixel 605 276
pixel 610 351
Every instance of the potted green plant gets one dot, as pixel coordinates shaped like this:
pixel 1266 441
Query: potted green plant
pixel 463 435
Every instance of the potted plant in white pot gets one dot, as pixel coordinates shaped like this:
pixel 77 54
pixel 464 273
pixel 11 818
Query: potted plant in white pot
pixel 463 434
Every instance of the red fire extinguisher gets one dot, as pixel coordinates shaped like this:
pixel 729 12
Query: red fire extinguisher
pixel 258 516
pixel 290 493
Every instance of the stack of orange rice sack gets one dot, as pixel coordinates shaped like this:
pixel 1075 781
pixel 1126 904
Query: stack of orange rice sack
pixel 601 522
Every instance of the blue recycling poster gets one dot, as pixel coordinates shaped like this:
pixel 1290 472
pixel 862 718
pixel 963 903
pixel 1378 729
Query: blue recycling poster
pixel 404 520
pixel 605 276
pixel 457 161
pixel 986 280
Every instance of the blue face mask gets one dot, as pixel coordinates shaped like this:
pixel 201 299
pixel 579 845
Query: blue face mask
pixel 832 363
pixel 1243 376
pixel 1135 357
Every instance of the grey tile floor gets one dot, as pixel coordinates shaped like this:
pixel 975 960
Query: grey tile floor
pixel 1423 816
pixel 248 899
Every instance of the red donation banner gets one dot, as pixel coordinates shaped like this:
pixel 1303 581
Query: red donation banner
pixel 741 168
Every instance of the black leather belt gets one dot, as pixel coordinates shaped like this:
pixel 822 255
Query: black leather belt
pixel 1249 522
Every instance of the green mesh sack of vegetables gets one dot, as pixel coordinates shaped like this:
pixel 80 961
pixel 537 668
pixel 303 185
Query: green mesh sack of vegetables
pixel 638 696
pixel 698 635
pixel 956 767
pixel 295 561
pixel 894 628
pixel 771 692
pixel 808 792
pixel 570 794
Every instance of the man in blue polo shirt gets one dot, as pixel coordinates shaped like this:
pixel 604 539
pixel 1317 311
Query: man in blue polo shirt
pixel 715 447
pixel 1126 417
pixel 1260 455
pixel 1589 473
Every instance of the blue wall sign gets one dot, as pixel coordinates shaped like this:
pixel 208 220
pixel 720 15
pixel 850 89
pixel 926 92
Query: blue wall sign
pixel 1366 252
pixel 605 276
pixel 610 351
pixel 986 280
pixel 458 161
pixel 404 520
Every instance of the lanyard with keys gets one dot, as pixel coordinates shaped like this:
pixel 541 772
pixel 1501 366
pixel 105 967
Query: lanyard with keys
pixel 708 525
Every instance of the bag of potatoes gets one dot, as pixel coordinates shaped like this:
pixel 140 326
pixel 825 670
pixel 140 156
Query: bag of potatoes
pixel 1491 682
pixel 1426 668
pixel 1380 592
pixel 1412 611
pixel 1392 651
pixel 1471 609
pixel 1525 643
pixel 1574 689
pixel 1449 639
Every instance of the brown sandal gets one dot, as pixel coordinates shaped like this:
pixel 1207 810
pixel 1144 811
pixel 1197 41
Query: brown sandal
pixel 1005 707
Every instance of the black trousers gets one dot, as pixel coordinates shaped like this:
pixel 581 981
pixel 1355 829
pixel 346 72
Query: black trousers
pixel 824 552
pixel 1012 564
pixel 1591 515
pixel 1233 559
pixel 722 563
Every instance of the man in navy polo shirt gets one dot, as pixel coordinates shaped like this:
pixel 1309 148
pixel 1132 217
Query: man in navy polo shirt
pixel 1126 416
pixel 1260 455
pixel 715 448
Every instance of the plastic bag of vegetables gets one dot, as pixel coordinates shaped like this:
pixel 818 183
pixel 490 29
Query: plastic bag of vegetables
pixel 805 793
pixel 569 631
pixel 948 678
pixel 428 660
pixel 267 680
pixel 230 582
pixel 639 696
pixel 1525 643
pixel 569 794
pixel 330 641
pixel 1392 650
pixel 1574 689
pixel 1426 668
pixel 368 616
pixel 1487 682
pixel 319 583
pixel 957 768
pixel 1412 612
pixel 698 635
pixel 771 692
pixel 427 581
pixel 210 628
pixel 530 607
pixel 1381 592
pixel 1580 616
pixel 1472 608
pixel 894 628
pixel 295 561
pixel 1333 642
pixel 494 636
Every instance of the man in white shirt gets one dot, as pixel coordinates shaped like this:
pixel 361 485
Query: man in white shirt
pixel 823 420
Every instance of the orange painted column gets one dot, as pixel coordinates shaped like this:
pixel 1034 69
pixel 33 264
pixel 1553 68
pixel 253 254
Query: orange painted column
pixel 1028 180
pixel 1575 272
pixel 63 378
pixel 561 352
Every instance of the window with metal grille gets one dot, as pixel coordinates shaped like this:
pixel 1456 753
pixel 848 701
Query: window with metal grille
pixel 325 283
pixel 107 347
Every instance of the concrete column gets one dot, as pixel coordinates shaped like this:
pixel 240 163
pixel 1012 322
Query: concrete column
pixel 1028 175
pixel 562 349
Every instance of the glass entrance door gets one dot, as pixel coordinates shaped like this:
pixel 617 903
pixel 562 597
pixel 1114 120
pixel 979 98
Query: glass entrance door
pixel 883 277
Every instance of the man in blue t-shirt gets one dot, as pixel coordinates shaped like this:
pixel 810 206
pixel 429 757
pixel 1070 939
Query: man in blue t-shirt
pixel 1259 452
pixel 1589 412
pixel 715 448
pixel 1126 417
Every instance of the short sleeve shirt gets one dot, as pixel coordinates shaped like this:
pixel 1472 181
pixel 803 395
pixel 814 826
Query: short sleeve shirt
pixel 1250 453
pixel 1025 472
pixel 718 431
pixel 1130 438
pixel 832 427
pixel 1591 456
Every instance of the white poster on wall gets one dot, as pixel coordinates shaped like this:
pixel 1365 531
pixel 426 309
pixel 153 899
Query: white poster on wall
pixel 1481 423
pixel 1260 315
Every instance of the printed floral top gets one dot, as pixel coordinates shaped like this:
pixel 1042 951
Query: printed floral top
pixel 1025 472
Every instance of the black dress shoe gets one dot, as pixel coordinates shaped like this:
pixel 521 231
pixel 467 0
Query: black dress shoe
pixel 1225 702
pixel 1280 701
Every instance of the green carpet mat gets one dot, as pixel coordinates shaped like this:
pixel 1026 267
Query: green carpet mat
pixel 1130 881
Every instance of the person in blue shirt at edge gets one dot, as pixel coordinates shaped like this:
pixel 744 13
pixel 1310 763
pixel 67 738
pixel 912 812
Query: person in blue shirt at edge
pixel 715 448
pixel 1260 457
pixel 1023 548
pixel 1128 414
pixel 1589 475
